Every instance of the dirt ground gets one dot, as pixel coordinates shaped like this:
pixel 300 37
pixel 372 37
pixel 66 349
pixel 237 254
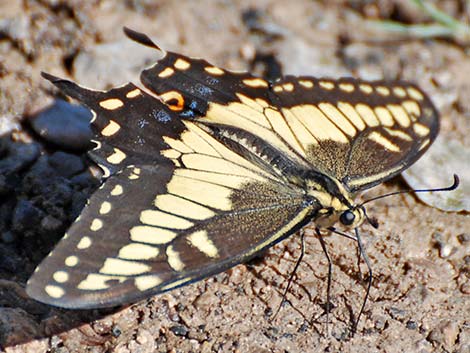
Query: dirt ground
pixel 420 298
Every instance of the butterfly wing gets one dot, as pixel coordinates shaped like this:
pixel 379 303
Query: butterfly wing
pixel 358 132
pixel 179 206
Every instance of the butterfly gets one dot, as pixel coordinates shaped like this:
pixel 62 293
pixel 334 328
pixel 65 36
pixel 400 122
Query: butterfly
pixel 206 168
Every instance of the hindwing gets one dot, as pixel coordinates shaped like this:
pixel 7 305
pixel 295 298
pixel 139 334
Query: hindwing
pixel 178 206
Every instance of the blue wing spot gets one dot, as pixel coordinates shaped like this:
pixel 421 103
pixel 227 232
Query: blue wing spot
pixel 161 115
pixel 187 114
pixel 212 81
pixel 142 123
pixel 202 90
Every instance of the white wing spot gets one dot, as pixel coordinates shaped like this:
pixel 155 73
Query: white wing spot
pixel 399 92
pixel 54 291
pixel 105 207
pixel 367 89
pixel 182 64
pixel 84 243
pixel 214 70
pixel 328 85
pixel 383 91
pixel 174 259
pixel 167 72
pixel 117 157
pixel 138 252
pixel 96 225
pixel 71 261
pixel 201 241
pixel 255 82
pixel 306 83
pixel 134 93
pixel 115 266
pixel 111 104
pixel 347 87
pixel 146 282
pixel 110 129
pixel 151 235
pixel 60 276
pixel 383 141
pixel 117 190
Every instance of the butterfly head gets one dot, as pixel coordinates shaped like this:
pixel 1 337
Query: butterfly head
pixel 349 216
pixel 337 205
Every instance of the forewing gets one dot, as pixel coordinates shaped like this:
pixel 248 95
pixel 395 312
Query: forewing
pixel 358 132
pixel 151 228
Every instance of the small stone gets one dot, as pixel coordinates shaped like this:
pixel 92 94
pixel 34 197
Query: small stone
pixel 85 180
pixel 66 164
pixel 411 325
pixel 179 330
pixel 51 224
pixel 65 125
pixel 445 251
pixel 25 216
pixel 464 238
pixel 16 327
pixel 116 331
pixel 8 237
pixel 397 314
pixel 18 156
pixel 9 259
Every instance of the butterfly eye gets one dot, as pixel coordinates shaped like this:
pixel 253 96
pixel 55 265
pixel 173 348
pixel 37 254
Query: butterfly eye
pixel 347 218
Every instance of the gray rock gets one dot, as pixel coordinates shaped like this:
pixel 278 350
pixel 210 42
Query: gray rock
pixel 65 125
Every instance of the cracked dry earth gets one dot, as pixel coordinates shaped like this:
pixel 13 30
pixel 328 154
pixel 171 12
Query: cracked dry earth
pixel 420 298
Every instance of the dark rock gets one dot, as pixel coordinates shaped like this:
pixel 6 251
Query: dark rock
pixel 85 180
pixel 51 224
pixel 26 216
pixel 17 156
pixel 66 164
pixel 16 326
pixel 39 178
pixel 8 237
pixel 9 259
pixel 65 125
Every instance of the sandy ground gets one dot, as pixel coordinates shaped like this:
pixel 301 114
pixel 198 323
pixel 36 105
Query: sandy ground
pixel 420 299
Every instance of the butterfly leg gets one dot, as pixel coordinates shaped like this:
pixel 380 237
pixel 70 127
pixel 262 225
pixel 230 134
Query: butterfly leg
pixel 291 277
pixel 363 254
pixel 330 271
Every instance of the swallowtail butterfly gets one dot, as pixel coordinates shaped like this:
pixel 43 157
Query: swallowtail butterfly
pixel 205 168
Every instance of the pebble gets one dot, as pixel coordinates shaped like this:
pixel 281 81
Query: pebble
pixel 65 125
pixel 16 156
pixel 25 216
pixel 66 164
pixel 179 330
pixel 16 326
pixel 9 259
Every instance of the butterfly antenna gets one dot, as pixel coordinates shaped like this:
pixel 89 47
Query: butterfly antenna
pixel 454 186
